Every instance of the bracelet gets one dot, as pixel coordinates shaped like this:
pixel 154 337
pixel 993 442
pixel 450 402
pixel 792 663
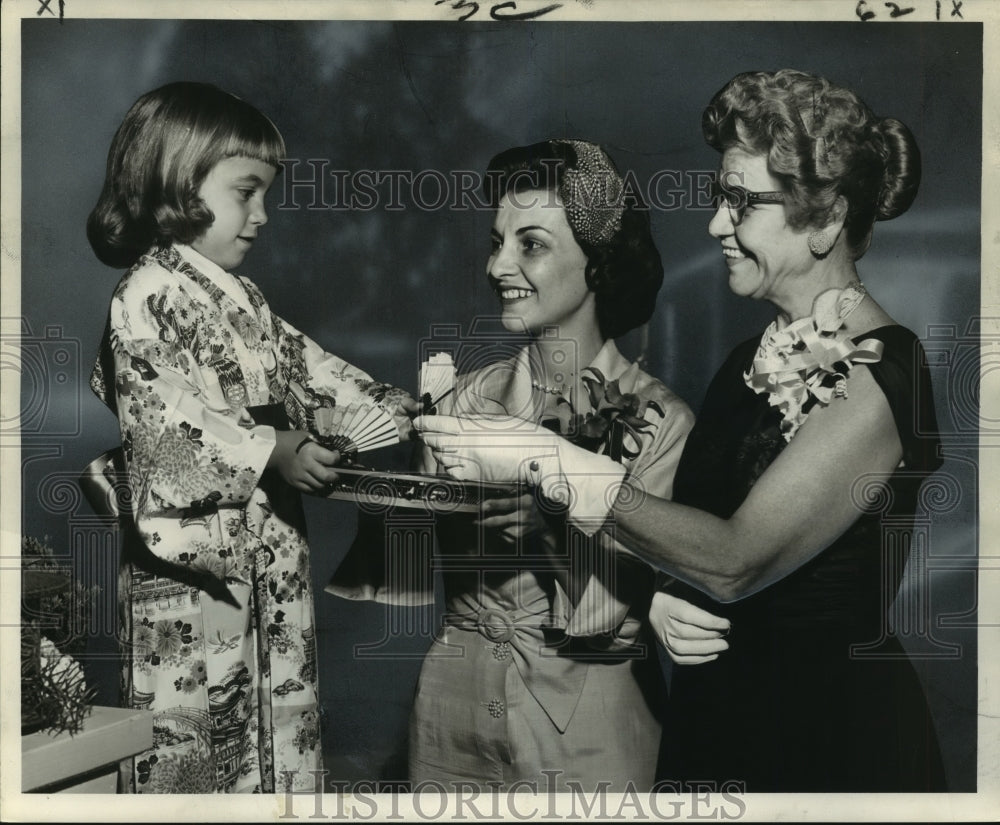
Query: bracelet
pixel 308 439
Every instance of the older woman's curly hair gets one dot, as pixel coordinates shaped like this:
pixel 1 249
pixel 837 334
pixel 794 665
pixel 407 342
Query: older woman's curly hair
pixel 625 274
pixel 822 141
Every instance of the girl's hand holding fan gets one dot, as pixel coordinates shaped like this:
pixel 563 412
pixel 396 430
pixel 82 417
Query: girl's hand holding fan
pixel 348 426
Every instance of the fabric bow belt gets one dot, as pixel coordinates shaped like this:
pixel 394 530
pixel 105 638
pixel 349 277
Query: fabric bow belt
pixel 556 681
pixel 494 624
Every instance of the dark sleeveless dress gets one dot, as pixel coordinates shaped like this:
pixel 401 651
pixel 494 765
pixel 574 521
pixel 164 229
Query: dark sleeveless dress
pixel 789 707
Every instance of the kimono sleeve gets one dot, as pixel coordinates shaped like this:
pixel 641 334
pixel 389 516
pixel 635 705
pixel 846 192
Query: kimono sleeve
pixel 185 449
pixel 320 373
pixel 613 578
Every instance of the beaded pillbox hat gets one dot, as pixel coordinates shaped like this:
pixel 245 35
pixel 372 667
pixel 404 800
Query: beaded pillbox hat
pixel 592 193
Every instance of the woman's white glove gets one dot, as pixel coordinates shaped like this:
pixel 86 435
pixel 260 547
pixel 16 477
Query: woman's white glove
pixel 504 449
pixel 690 635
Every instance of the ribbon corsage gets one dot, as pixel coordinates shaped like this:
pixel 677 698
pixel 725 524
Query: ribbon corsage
pixel 807 362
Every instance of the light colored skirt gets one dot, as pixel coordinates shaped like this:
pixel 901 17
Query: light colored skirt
pixel 475 721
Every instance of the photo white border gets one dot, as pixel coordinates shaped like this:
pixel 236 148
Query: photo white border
pixel 985 804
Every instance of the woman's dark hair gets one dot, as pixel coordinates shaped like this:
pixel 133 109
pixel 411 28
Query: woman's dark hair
pixel 822 141
pixel 168 142
pixel 626 272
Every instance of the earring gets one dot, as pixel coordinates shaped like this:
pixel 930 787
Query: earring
pixel 820 244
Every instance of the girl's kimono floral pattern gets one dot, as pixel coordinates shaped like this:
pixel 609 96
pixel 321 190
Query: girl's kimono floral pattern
pixel 217 606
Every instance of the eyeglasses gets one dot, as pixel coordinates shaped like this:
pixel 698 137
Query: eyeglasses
pixel 738 199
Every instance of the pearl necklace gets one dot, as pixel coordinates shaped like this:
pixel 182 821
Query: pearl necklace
pixel 547 389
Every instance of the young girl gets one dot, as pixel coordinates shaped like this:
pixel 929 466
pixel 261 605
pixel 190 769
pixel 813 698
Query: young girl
pixel 215 592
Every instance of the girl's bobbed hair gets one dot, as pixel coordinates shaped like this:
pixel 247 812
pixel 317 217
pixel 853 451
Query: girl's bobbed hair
pixel 624 271
pixel 822 141
pixel 167 144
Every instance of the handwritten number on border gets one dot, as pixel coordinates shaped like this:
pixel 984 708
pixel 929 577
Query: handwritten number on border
pixel 864 11
pixel 458 5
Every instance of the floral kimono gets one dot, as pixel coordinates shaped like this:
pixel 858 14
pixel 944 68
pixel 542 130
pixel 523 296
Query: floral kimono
pixel 215 593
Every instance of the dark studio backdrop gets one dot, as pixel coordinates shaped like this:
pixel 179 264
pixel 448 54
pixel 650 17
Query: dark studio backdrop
pixel 376 285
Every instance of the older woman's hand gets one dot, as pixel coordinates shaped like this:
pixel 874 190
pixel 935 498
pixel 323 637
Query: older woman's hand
pixel 504 449
pixel 691 635
pixel 487 447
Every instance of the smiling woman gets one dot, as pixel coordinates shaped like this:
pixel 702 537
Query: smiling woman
pixel 803 428
pixel 539 271
pixel 544 671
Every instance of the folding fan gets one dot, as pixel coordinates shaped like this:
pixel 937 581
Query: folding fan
pixel 350 426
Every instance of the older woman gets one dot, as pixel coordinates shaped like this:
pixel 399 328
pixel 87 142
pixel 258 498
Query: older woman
pixel 769 515
pixel 544 672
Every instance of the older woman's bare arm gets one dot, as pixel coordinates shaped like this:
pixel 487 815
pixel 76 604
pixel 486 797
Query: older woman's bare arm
pixel 801 503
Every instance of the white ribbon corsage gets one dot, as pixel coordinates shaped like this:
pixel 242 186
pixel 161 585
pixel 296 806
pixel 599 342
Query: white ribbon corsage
pixel 808 361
